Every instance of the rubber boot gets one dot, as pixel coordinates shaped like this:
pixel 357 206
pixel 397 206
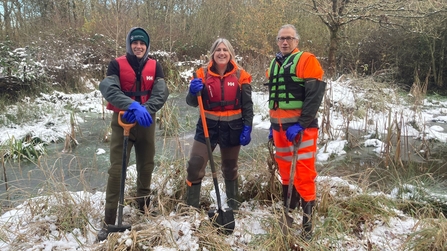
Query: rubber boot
pixel 193 195
pixel 294 200
pixel 109 219
pixel 232 190
pixel 143 204
pixel 308 208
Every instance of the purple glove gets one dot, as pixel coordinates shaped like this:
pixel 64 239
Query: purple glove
pixel 270 133
pixel 195 86
pixel 293 131
pixel 140 113
pixel 245 135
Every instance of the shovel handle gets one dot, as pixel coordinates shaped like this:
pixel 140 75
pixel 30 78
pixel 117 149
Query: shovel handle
pixel 208 146
pixel 296 145
pixel 125 126
pixel 202 115
pixel 202 110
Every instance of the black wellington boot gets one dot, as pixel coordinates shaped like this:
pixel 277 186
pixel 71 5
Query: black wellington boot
pixel 294 200
pixel 286 220
pixel 143 204
pixel 232 190
pixel 308 208
pixel 109 219
pixel 193 195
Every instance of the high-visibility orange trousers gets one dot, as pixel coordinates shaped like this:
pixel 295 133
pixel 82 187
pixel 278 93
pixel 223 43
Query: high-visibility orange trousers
pixel 305 172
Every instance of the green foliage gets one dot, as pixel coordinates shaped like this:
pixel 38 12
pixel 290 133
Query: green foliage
pixel 20 63
pixel 28 148
pixel 6 59
pixel 21 72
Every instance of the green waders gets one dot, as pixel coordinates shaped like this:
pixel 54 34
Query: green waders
pixel 143 141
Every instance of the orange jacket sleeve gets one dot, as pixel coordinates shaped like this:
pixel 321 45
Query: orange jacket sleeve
pixel 246 100
pixel 245 77
pixel 309 67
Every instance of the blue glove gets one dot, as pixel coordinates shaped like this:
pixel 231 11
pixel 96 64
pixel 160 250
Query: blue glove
pixel 195 86
pixel 245 135
pixel 141 114
pixel 129 116
pixel 270 133
pixel 293 131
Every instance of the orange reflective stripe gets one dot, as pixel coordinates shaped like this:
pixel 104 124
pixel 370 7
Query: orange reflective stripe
pixel 280 116
pixel 280 113
pixel 283 149
pixel 228 113
pixel 289 148
pixel 229 118
pixel 301 156
pixel 306 143
pixel 306 173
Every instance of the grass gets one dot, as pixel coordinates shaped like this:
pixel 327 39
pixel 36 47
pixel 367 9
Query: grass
pixel 28 148
pixel 343 210
pixel 430 235
pixel 348 209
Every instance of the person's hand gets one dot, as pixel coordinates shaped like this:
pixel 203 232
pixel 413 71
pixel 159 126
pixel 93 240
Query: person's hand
pixel 141 114
pixel 195 86
pixel 129 116
pixel 245 135
pixel 293 131
pixel 270 133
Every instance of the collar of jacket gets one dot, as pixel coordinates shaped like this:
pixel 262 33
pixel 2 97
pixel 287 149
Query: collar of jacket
pixel 231 69
pixel 280 58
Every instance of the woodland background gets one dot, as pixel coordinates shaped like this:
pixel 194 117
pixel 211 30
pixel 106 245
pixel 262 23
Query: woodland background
pixel 67 44
pixel 402 41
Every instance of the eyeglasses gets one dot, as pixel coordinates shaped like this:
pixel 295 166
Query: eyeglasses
pixel 282 39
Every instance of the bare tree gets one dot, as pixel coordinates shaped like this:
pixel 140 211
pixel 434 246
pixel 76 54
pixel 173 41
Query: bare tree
pixel 337 13
pixel 433 30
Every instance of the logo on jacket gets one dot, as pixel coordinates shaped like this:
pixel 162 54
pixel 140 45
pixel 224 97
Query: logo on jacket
pixel 230 83
pixel 288 65
pixel 149 78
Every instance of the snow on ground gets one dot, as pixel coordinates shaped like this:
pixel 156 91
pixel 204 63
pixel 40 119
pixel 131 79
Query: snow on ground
pixel 250 221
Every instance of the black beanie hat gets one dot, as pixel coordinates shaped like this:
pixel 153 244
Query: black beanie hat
pixel 139 34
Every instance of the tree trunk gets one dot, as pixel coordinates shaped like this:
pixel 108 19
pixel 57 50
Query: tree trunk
pixel 7 18
pixel 441 67
pixel 333 47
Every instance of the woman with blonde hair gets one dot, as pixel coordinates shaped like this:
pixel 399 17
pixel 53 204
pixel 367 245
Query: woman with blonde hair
pixel 226 96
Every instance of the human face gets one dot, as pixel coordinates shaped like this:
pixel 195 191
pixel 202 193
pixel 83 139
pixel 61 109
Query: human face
pixel 287 40
pixel 221 55
pixel 138 48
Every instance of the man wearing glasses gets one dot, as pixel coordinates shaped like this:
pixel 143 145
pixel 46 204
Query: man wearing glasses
pixel 296 90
